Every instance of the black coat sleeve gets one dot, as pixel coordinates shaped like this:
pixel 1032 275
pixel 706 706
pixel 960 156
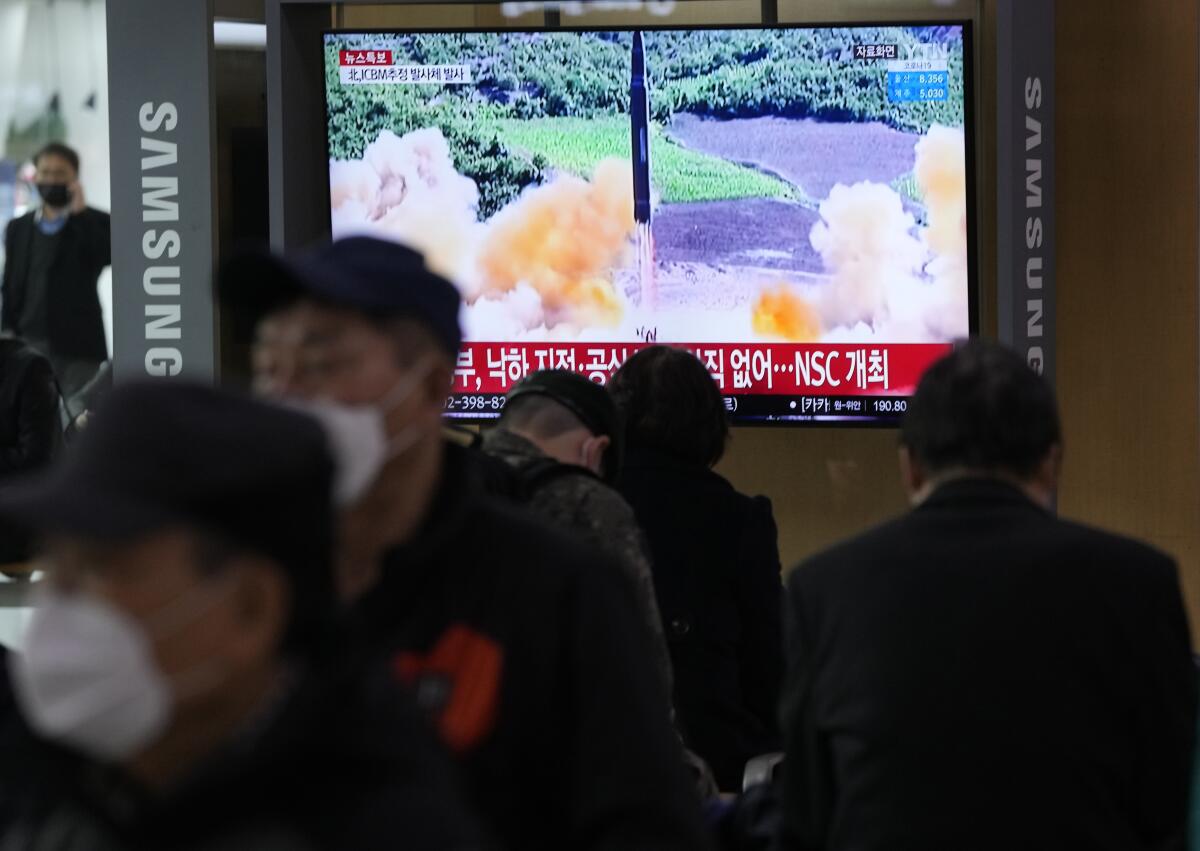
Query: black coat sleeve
pixel 1166 711
pixel 99 239
pixel 807 793
pixel 7 284
pixel 400 789
pixel 629 787
pixel 37 421
pixel 760 601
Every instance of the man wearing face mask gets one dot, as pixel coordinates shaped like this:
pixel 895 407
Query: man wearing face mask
pixel 181 676
pixel 523 648
pixel 53 258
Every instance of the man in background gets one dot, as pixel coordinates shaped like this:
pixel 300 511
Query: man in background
pixel 520 644
pixel 181 683
pixel 979 673
pixel 53 259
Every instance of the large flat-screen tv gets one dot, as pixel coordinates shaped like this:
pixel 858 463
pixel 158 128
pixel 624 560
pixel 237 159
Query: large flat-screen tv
pixel 791 203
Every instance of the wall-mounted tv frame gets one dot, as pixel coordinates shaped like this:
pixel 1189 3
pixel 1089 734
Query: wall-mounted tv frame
pixel 793 203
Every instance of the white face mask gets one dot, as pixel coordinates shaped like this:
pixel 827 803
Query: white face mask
pixel 87 677
pixel 358 435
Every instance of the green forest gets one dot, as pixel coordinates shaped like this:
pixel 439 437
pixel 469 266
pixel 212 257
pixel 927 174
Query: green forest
pixel 534 94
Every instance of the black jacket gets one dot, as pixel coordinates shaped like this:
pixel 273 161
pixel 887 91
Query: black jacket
pixel 528 653
pixel 979 674
pixel 346 763
pixel 76 328
pixel 29 428
pixel 716 572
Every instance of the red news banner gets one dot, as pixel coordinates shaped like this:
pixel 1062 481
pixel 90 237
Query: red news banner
pixel 785 369
pixel 350 58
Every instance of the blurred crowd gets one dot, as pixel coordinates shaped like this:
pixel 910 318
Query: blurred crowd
pixel 307 616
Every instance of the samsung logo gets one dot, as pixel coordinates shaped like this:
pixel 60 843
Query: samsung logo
pixel 161 242
pixel 1035 231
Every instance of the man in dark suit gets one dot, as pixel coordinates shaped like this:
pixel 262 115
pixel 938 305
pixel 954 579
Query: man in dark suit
pixel 54 256
pixel 979 674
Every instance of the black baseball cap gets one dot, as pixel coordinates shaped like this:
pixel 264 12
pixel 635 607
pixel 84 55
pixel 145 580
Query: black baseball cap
pixel 378 277
pixel 584 398
pixel 157 455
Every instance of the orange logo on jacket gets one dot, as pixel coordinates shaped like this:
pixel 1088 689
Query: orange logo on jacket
pixel 458 683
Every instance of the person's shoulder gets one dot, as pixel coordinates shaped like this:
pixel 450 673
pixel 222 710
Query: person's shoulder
pixel 709 487
pixel 22 360
pixel 578 486
pixel 861 551
pixel 515 538
pixel 1100 548
pixel 87 220
pixel 19 223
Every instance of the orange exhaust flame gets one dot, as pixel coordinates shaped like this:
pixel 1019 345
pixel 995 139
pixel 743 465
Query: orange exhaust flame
pixel 780 313
pixel 563 239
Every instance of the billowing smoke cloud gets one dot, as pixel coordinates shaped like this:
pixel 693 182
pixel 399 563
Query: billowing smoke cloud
pixel 354 182
pixel 865 240
pixel 563 240
pixel 406 188
pixel 543 261
pixel 889 279
pixel 942 177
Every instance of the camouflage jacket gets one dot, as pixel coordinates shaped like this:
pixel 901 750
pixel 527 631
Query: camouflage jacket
pixel 584 505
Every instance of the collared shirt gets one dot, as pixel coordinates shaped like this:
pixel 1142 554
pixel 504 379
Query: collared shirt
pixel 50 227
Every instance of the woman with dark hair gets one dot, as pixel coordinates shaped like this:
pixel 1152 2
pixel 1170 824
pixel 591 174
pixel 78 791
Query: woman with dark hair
pixel 715 559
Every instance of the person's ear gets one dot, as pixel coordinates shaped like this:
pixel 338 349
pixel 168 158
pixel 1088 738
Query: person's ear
pixel 912 475
pixel 261 603
pixel 1046 477
pixel 593 453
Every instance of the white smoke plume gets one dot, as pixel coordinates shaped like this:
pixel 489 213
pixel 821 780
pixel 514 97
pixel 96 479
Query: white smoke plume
pixel 942 177
pixel 865 240
pixel 891 280
pixel 407 189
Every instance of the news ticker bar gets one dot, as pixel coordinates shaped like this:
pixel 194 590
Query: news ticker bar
pixel 792 371
pixel 750 407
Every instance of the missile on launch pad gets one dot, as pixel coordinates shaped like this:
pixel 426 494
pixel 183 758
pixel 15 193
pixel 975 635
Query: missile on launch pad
pixel 639 113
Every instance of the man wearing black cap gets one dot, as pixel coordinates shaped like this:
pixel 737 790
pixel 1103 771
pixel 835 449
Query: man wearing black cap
pixel 560 434
pixel 178 673
pixel 521 646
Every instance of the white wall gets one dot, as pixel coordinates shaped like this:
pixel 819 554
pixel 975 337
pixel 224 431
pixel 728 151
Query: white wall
pixel 60 47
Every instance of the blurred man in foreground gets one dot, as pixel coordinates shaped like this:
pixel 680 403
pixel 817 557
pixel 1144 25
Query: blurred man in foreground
pixel 180 673
pixel 978 673
pixel 522 647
